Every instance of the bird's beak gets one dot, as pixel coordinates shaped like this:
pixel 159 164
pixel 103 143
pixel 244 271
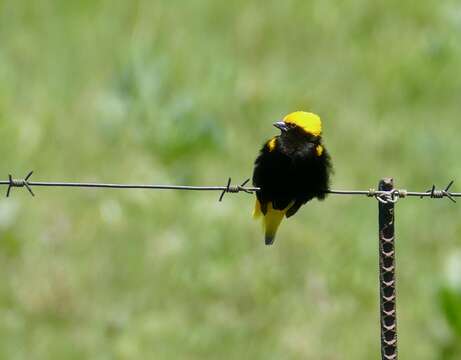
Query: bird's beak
pixel 281 125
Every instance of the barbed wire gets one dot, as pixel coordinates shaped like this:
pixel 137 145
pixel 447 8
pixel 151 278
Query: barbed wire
pixel 384 197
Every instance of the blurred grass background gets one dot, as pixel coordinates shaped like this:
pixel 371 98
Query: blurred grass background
pixel 185 92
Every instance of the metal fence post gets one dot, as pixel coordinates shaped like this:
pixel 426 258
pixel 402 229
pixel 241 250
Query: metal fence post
pixel 388 297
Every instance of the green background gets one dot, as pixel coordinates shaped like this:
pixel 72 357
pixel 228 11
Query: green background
pixel 185 92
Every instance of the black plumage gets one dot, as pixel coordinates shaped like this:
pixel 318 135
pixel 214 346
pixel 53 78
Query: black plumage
pixel 291 169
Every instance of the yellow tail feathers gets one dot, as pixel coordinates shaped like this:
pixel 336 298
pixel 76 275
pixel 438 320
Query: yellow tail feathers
pixel 271 221
pixel 257 210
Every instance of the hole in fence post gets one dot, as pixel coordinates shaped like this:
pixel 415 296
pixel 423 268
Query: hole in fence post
pixel 387 291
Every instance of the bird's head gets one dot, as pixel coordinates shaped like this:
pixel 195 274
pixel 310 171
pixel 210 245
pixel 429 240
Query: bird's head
pixel 301 122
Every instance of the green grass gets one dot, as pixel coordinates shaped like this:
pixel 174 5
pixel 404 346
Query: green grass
pixel 185 92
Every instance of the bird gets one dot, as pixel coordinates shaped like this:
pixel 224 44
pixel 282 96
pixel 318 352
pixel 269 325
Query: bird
pixel 291 169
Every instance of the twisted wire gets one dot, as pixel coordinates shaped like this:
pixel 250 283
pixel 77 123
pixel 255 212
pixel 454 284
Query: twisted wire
pixel 383 197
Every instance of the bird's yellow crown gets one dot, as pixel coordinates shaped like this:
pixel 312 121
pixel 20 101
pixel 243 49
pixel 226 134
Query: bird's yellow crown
pixel 309 122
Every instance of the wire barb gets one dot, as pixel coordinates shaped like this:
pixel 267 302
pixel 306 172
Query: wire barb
pixel 234 189
pixel 440 194
pixel 19 183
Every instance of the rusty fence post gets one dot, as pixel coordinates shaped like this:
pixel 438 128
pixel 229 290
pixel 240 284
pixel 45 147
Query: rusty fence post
pixel 388 313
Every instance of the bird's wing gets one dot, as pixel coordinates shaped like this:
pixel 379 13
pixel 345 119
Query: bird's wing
pixel 294 208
